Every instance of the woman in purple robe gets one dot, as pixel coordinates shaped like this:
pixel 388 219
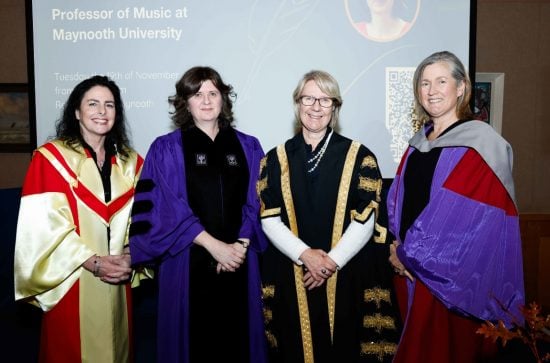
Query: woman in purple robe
pixel 196 216
pixel 451 207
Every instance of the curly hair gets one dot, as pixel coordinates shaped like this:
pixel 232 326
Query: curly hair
pixel 188 85
pixel 68 127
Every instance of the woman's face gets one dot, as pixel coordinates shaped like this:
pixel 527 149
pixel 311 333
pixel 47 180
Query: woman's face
pixel 439 91
pixel 96 113
pixel 206 104
pixel 380 6
pixel 315 118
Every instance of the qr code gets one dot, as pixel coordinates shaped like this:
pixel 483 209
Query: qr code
pixel 399 108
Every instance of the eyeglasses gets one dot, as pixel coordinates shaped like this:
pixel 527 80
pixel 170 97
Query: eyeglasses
pixel 310 101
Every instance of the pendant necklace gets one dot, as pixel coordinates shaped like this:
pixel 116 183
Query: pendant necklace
pixel 317 157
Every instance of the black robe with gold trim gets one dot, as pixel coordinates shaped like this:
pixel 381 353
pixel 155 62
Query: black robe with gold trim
pixel 350 318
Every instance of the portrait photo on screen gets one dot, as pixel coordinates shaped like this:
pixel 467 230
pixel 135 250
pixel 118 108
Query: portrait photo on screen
pixel 382 20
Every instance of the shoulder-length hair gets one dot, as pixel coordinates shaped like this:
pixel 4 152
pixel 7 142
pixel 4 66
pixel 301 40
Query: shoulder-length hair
pixel 328 85
pixel 459 74
pixel 189 84
pixel 68 127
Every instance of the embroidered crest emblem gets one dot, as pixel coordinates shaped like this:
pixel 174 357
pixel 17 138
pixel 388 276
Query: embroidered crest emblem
pixel 200 159
pixel 232 160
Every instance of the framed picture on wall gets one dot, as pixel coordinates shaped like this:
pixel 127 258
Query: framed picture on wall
pixel 488 96
pixel 14 117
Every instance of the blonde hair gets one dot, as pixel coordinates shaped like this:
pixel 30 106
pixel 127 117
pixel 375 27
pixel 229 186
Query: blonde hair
pixel 328 85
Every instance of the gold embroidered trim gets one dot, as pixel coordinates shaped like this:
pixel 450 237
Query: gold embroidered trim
pixel 268 315
pixel 363 216
pixel 270 212
pixel 380 236
pixel 369 162
pixel 268 291
pixel 303 309
pixel 382 232
pixel 261 185
pixel 377 295
pixel 370 185
pixel 262 206
pixel 338 226
pixel 271 340
pixel 378 322
pixel 380 349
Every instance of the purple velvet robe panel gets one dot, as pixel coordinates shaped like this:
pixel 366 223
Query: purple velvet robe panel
pixel 168 242
pixel 466 252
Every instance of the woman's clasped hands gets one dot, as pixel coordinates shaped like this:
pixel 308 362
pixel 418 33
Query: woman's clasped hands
pixel 230 256
pixel 318 267
pixel 112 269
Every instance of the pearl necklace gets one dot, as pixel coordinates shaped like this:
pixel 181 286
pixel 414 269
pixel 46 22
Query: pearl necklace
pixel 320 154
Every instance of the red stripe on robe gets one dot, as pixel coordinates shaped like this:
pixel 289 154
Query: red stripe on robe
pixel 433 333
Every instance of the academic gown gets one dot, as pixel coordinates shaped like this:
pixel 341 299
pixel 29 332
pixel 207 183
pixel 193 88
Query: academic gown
pixel 64 220
pixel 162 232
pixel 351 317
pixel 463 248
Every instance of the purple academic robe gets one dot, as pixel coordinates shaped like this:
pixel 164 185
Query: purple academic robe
pixel 465 245
pixel 173 227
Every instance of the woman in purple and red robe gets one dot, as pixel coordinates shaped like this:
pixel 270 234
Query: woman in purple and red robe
pixel 452 210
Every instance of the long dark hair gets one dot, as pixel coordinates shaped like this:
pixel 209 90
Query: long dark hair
pixel 188 85
pixel 68 127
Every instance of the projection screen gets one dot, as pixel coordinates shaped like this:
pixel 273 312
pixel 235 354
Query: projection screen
pixel 261 48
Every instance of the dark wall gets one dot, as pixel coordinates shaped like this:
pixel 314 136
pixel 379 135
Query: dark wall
pixel 20 322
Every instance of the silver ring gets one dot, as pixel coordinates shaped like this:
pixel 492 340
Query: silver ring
pixel 323 271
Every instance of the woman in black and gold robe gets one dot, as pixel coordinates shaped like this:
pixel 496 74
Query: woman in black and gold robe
pixel 326 291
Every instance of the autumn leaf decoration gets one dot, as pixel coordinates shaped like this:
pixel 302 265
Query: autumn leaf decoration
pixel 490 330
pixel 536 329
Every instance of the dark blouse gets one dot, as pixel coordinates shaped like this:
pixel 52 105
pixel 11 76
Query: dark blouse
pixel 105 170
pixel 105 174
pixel 310 154
pixel 418 177
pixel 217 180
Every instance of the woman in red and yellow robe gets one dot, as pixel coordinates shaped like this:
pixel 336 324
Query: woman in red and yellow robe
pixel 71 236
